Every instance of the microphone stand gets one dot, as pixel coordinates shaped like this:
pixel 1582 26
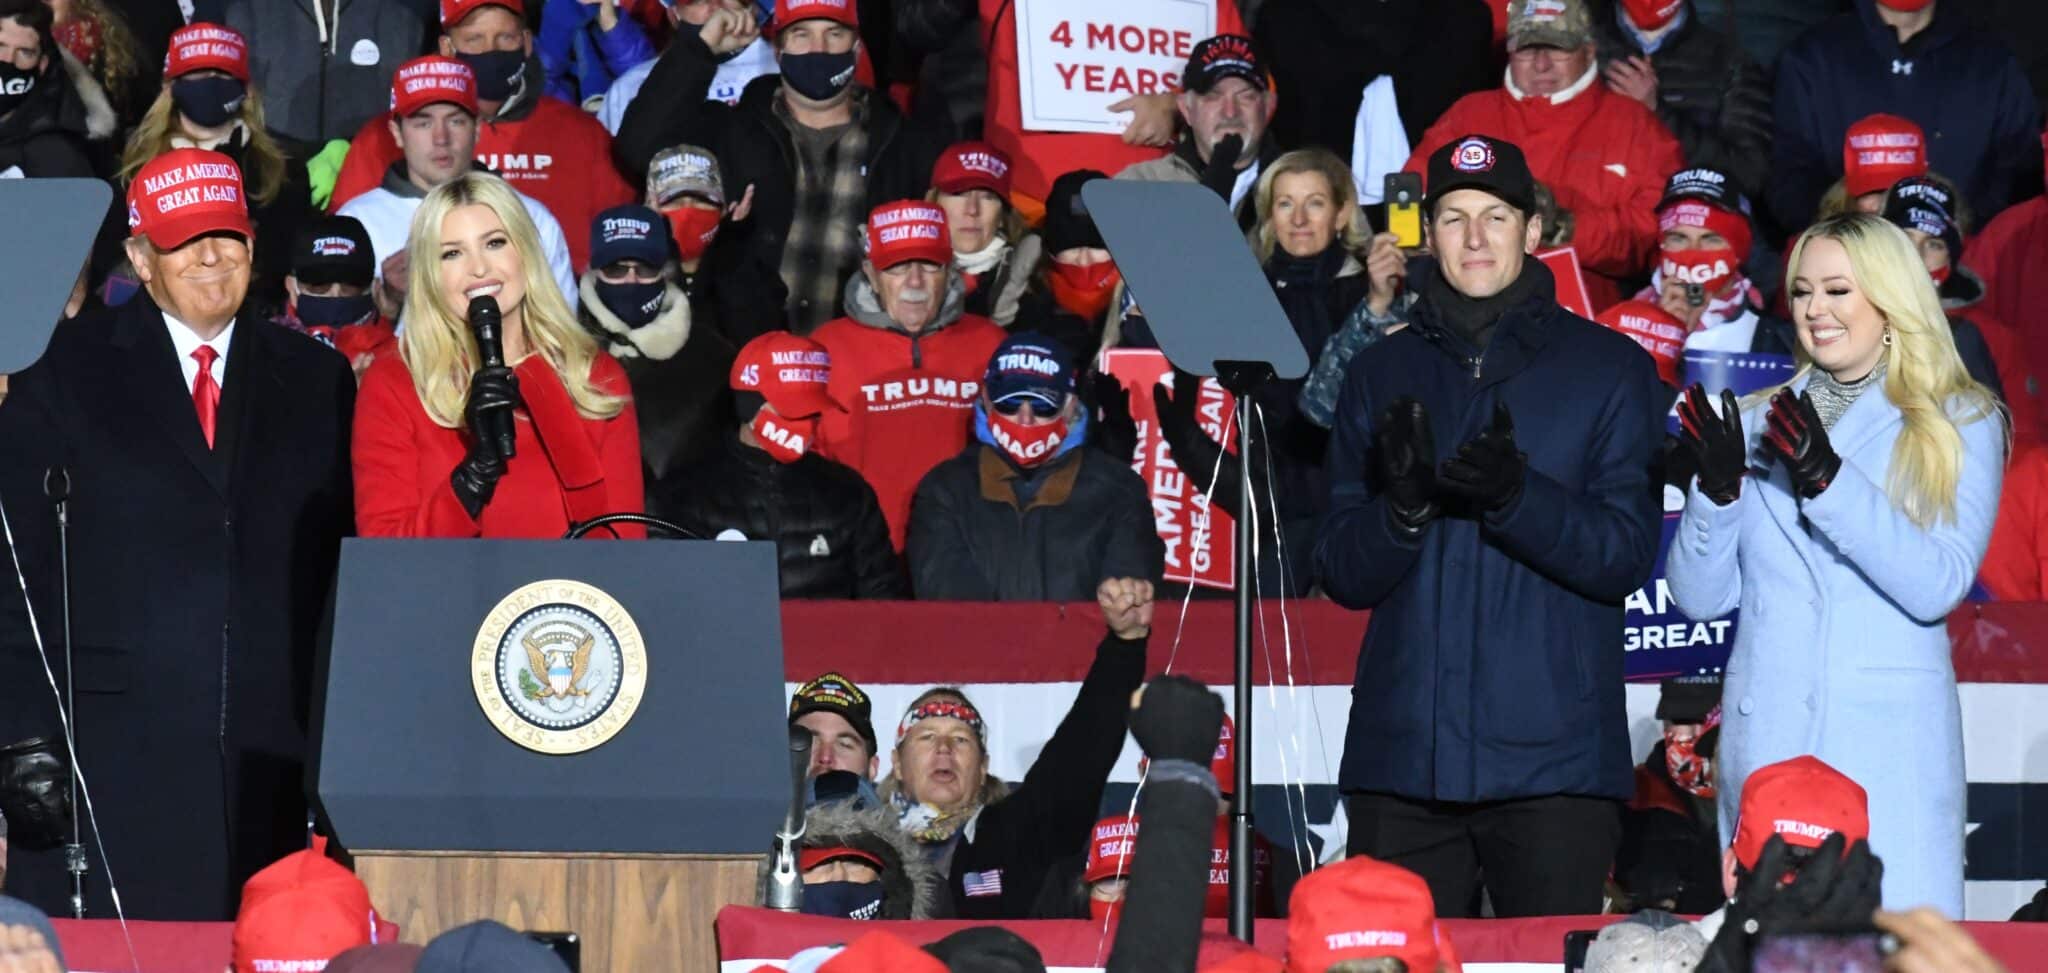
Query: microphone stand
pixel 785 883
pixel 57 486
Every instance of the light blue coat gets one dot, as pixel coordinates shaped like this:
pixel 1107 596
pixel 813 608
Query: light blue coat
pixel 1842 649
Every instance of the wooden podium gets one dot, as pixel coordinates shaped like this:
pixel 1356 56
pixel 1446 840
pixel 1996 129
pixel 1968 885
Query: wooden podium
pixel 563 736
pixel 633 912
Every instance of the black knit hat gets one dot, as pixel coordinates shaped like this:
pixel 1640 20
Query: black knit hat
pixel 1067 223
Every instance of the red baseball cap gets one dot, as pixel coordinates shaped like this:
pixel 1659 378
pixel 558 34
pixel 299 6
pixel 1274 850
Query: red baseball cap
pixel 200 46
pixel 1360 908
pixel 301 911
pixel 810 858
pixel 433 79
pixel 184 193
pixel 1660 334
pixel 1803 800
pixel 1110 847
pixel 788 12
pixel 879 952
pixel 1880 150
pixel 904 231
pixel 453 11
pixel 791 372
pixel 972 165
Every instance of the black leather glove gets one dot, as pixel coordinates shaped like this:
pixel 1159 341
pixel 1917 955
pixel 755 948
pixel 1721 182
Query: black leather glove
pixel 35 793
pixel 1404 456
pixel 1178 718
pixel 1797 437
pixel 1831 888
pixel 1115 432
pixel 1488 471
pixel 492 392
pixel 1715 441
pixel 1220 175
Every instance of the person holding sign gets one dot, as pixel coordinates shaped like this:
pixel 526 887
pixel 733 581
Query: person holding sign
pixel 1492 503
pixel 1846 516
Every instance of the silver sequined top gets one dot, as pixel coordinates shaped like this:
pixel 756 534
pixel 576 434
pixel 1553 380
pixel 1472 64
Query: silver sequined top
pixel 1832 398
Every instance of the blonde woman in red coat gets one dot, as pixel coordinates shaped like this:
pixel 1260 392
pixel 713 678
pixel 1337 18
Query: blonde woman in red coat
pixel 420 469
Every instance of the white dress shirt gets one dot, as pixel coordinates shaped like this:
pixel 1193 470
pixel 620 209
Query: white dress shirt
pixel 186 341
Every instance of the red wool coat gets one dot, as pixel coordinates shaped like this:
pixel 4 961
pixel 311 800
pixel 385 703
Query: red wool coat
pixel 565 467
pixel 556 154
pixel 909 402
pixel 1605 157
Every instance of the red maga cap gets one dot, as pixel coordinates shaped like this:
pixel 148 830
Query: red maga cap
pixel 453 11
pixel 184 193
pixel 972 165
pixel 1360 908
pixel 904 231
pixel 424 81
pixel 791 372
pixel 1880 150
pixel 1802 800
pixel 1660 334
pixel 202 46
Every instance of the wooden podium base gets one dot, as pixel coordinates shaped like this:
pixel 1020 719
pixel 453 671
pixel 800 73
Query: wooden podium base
pixel 632 912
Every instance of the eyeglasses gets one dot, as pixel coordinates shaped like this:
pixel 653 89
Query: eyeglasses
pixel 631 271
pixel 1018 407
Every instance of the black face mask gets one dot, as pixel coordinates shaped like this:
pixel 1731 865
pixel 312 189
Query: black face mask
pixel 334 311
pixel 818 76
pixel 208 102
pixel 497 73
pixel 15 86
pixel 634 302
pixel 843 900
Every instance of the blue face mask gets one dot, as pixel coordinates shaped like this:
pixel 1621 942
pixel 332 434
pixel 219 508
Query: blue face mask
pixel 497 73
pixel 636 303
pixel 209 102
pixel 334 311
pixel 818 76
pixel 843 900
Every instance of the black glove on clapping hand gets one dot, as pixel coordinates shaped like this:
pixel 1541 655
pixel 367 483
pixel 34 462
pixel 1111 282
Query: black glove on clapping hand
pixel 1178 718
pixel 1114 432
pixel 35 793
pixel 1797 437
pixel 1194 452
pixel 1716 443
pixel 1488 471
pixel 1832 887
pixel 1404 456
pixel 492 392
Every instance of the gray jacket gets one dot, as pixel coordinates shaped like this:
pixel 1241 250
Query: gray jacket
pixel 323 74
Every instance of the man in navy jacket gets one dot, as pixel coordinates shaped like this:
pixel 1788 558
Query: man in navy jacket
pixel 1493 502
pixel 1963 86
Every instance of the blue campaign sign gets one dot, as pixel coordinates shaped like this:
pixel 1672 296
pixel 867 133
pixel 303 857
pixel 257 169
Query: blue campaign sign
pixel 1659 639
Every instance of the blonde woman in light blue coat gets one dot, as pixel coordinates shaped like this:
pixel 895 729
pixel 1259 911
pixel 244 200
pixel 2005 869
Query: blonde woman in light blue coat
pixel 1845 514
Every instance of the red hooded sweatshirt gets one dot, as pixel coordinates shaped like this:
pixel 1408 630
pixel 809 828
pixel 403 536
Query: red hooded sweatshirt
pixel 909 399
pixel 1604 157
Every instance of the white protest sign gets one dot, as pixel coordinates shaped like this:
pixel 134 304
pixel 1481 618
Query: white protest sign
pixel 1075 58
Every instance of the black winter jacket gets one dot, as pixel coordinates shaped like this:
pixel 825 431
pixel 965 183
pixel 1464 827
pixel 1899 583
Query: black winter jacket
pixel 754 146
pixel 830 538
pixel 45 135
pixel 677 365
pixel 1324 52
pixel 1711 95
pixel 971 539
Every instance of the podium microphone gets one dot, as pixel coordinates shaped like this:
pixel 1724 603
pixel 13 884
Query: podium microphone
pixel 486 322
pixel 785 883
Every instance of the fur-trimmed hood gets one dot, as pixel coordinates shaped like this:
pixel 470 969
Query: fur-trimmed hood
pixel 100 120
pixel 911 884
pixel 658 339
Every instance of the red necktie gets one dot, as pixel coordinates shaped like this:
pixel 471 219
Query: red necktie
pixel 206 391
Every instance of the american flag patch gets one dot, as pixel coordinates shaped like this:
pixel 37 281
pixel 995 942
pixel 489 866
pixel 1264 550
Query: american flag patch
pixel 980 884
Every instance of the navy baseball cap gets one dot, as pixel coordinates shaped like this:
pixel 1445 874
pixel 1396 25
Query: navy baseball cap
pixel 1028 365
pixel 629 232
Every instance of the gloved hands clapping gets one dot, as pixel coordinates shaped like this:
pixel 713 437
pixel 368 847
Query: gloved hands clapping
pixel 493 392
pixel 1716 443
pixel 1488 471
pixel 1832 887
pixel 1797 437
pixel 1404 457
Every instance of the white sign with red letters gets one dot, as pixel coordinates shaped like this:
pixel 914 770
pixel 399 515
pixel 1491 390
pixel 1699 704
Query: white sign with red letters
pixel 1075 58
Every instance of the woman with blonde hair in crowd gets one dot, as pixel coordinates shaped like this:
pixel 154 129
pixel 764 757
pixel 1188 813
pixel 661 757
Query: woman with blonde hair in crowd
pixel 431 423
pixel 1846 513
pixel 208 102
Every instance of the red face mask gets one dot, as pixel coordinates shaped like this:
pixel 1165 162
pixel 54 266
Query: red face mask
pixel 1027 446
pixel 1941 276
pixel 1711 269
pixel 1100 910
pixel 1651 14
pixel 694 230
pixel 1689 770
pixel 787 440
pixel 1084 290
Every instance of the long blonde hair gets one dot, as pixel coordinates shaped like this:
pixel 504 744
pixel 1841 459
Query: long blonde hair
pixel 262 162
pixel 1343 196
pixel 436 344
pixel 1924 375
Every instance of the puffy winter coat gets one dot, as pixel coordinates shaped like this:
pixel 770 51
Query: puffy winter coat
pixel 831 540
pixel 1714 98
pixel 1963 87
pixel 974 538
pixel 912 887
pixel 45 136
pixel 909 398
pixel 1491 669
pixel 322 81
pixel 1604 157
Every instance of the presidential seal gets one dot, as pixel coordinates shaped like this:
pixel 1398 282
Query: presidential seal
pixel 558 667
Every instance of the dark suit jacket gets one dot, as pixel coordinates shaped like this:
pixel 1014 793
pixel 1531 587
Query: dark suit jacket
pixel 197 581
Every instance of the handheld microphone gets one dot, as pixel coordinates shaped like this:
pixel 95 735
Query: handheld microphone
pixel 486 321
pixel 785 883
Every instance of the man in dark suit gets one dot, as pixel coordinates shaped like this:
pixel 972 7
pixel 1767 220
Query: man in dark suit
pixel 208 458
